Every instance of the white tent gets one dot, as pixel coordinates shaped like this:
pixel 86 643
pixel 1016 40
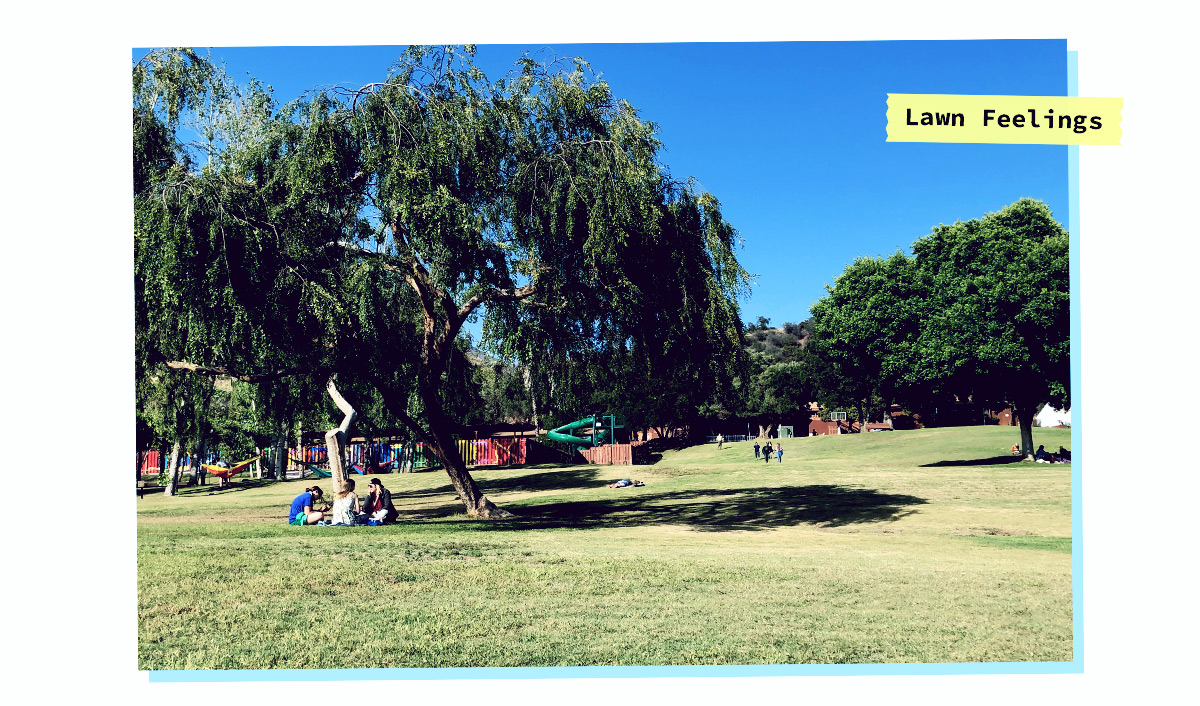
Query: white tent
pixel 1051 417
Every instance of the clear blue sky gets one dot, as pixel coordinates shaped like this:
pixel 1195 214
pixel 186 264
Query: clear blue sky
pixel 789 136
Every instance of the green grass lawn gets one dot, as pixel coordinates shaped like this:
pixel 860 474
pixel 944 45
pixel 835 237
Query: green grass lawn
pixel 908 546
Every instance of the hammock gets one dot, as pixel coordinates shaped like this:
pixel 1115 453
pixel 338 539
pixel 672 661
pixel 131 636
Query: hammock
pixel 318 472
pixel 226 472
pixel 377 468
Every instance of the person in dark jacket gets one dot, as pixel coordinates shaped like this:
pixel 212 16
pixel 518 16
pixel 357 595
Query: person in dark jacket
pixel 379 498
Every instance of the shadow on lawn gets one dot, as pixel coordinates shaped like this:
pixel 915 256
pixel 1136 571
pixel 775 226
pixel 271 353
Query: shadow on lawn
pixel 233 487
pixel 993 461
pixel 710 510
pixel 567 479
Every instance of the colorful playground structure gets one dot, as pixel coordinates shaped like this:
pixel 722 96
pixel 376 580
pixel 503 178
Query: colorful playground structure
pixel 591 437
pixel 363 458
pixel 500 451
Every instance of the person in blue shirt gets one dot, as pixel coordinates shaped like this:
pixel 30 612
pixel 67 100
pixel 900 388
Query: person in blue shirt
pixel 303 511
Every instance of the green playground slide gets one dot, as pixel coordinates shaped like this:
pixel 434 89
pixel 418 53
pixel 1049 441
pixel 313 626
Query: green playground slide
pixel 558 433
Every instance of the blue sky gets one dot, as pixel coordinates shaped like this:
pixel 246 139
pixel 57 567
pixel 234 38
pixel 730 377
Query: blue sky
pixel 789 136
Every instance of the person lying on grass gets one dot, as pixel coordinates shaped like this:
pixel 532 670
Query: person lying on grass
pixel 302 511
pixel 345 506
pixel 378 505
pixel 625 483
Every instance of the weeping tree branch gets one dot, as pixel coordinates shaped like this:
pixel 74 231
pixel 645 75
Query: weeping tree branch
pixel 432 296
pixel 495 295
pixel 243 377
pixel 397 405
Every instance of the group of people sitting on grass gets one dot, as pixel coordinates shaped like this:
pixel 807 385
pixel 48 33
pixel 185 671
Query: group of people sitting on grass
pixel 346 510
pixel 1044 456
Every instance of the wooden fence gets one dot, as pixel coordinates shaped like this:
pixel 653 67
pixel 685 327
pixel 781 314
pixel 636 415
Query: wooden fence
pixel 616 454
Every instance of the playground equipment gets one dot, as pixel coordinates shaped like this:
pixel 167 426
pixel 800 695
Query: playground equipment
pixel 598 432
pixel 406 457
pixel 227 472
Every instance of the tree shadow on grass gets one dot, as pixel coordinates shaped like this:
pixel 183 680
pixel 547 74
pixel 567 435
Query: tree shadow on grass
pixel 233 487
pixel 993 461
pixel 709 510
pixel 552 479
pixel 564 479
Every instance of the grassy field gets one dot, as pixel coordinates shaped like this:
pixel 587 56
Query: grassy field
pixel 912 546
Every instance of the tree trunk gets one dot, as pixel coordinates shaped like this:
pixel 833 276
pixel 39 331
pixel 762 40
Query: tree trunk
pixel 336 446
pixel 173 469
pixel 281 458
pixel 477 504
pixel 1024 414
pixel 439 441
pixel 527 378
pixel 335 439
pixel 194 479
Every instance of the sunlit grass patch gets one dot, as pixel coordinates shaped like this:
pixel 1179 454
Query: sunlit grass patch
pixel 887 547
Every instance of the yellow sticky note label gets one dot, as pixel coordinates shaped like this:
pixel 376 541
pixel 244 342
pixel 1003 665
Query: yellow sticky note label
pixel 1023 120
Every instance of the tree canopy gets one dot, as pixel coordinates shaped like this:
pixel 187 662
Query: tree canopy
pixel 997 319
pixel 866 327
pixel 981 310
pixel 354 232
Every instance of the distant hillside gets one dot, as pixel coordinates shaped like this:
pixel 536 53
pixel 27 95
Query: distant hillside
pixel 777 343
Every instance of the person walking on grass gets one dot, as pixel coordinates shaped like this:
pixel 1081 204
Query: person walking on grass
pixel 767 451
pixel 779 452
pixel 303 510
pixel 720 441
pixel 756 450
